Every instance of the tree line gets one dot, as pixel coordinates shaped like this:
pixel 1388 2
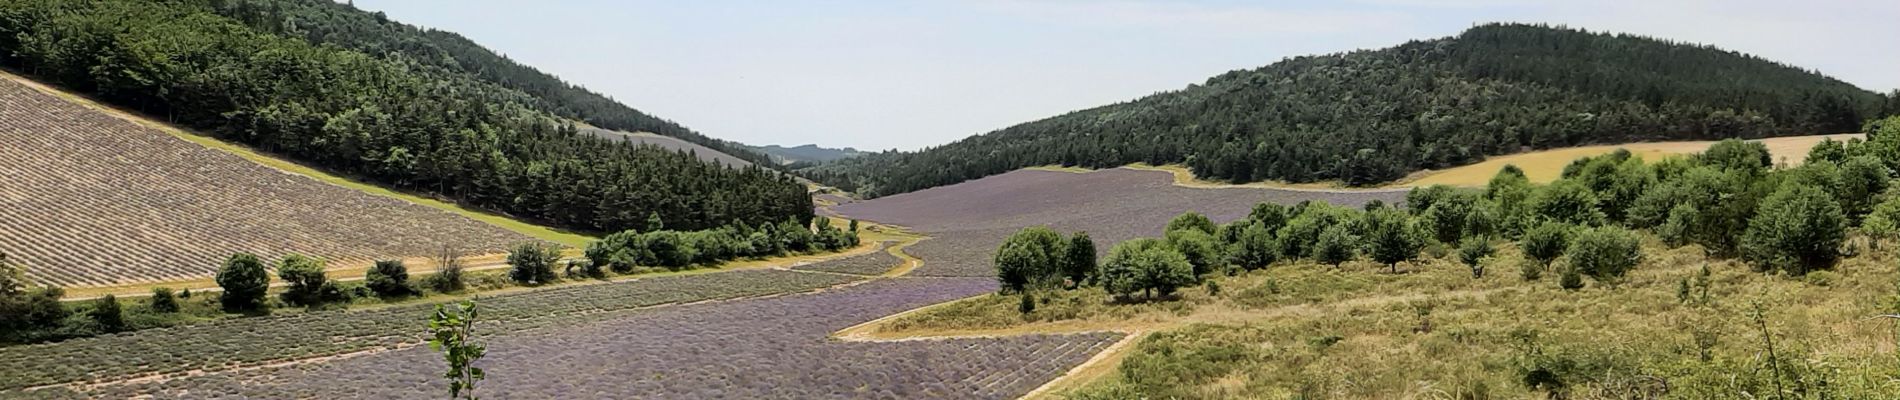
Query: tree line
pixel 1732 200
pixel 1367 117
pixel 393 119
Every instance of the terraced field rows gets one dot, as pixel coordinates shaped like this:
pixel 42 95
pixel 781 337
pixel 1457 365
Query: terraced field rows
pixel 874 263
pixel 92 200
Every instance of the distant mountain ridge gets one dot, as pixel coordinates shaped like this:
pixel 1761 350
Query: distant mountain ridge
pixel 808 153
pixel 1370 116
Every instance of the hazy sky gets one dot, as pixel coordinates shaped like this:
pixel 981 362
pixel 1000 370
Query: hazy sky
pixel 910 74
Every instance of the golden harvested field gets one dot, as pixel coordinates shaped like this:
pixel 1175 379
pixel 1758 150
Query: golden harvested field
pixel 90 199
pixel 1545 166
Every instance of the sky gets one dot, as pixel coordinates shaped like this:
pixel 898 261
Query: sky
pixel 910 74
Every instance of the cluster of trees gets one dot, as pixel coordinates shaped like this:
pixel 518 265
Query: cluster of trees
pixel 478 129
pixel 626 251
pixel 1372 116
pixel 1732 200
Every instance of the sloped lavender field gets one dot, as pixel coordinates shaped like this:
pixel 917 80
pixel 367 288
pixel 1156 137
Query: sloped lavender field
pixel 758 348
pixel 968 220
pixel 874 263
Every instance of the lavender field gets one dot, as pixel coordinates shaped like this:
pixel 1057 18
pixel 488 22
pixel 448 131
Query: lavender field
pixel 775 347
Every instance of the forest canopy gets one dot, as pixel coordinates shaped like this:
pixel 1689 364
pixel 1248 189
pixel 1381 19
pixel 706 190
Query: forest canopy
pixel 433 124
pixel 1371 116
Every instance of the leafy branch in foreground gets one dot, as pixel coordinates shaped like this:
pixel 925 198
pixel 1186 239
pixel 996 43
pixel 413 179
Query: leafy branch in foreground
pixel 452 332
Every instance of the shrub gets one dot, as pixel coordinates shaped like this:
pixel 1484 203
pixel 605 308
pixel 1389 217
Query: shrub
pixel 532 263
pixel 672 250
pixel 1675 230
pixel 1392 237
pixel 1301 234
pixel 304 280
pixel 1200 249
pixel 1571 280
pixel 1027 303
pixel 1254 248
pixel 1270 216
pixel 1884 221
pixel 1605 253
pixel 1473 252
pixel 388 279
pixel 1530 270
pixel 1446 219
pixel 1566 201
pixel 1547 241
pixel 1145 266
pixel 12 277
pixel 244 282
pixel 1030 257
pixel 584 269
pixel 1738 155
pixel 1191 220
pixel 107 313
pixel 163 301
pixel 1863 179
pixel 1798 229
pixel 34 309
pixel 793 236
pixel 1335 246
pixel 1079 262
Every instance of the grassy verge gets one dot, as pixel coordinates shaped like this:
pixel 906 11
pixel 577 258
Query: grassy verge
pixel 1435 331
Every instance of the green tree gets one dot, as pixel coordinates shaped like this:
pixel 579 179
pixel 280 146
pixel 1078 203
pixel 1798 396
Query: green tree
pixel 1191 220
pixel 1605 253
pixel 1447 217
pixel 1271 216
pixel 1566 201
pixel 1255 248
pixel 244 281
pixel 1201 249
pixel 1884 221
pixel 654 224
pixel 1145 266
pixel 1393 237
pixel 1510 191
pixel 1547 241
pixel 388 279
pixel 1336 245
pixel 163 301
pixel 452 332
pixel 107 313
pixel 304 280
pixel 1473 252
pixel 1079 262
pixel 1029 258
pixel 1863 179
pixel 1827 150
pixel 532 263
pixel 1737 155
pixel 1798 229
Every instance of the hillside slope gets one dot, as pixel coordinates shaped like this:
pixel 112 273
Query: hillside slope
pixel 91 200
pixel 808 153
pixel 1372 116
pixel 391 120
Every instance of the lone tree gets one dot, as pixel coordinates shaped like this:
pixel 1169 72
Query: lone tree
pixel 107 313
pixel 452 332
pixel 1335 245
pixel 1473 252
pixel 1605 253
pixel 533 262
pixel 1796 230
pixel 1079 263
pixel 1393 237
pixel 244 282
pixel 1030 257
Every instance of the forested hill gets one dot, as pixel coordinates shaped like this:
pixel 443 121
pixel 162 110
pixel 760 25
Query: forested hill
pixel 330 22
pixel 1372 116
pixel 412 124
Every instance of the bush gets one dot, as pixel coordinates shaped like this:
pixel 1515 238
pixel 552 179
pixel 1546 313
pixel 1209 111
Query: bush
pixel 388 279
pixel 1568 202
pixel 1547 241
pixel 1270 216
pixel 1798 229
pixel 1079 263
pixel 1863 179
pixel 1605 253
pixel 245 282
pixel 1392 237
pixel 1145 266
pixel 1447 218
pixel 584 269
pixel 1674 231
pixel 1301 235
pixel 1571 280
pixel 304 280
pixel 1884 221
pixel 1031 257
pixel 1201 250
pixel 1473 252
pixel 1027 303
pixel 163 301
pixel 1530 270
pixel 1191 220
pixel 1254 248
pixel 1335 246
pixel 107 313
pixel 1737 155
pixel 12 277
pixel 532 263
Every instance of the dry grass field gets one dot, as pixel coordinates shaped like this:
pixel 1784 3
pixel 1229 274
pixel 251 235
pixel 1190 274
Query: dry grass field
pixel 1546 165
pixel 91 199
